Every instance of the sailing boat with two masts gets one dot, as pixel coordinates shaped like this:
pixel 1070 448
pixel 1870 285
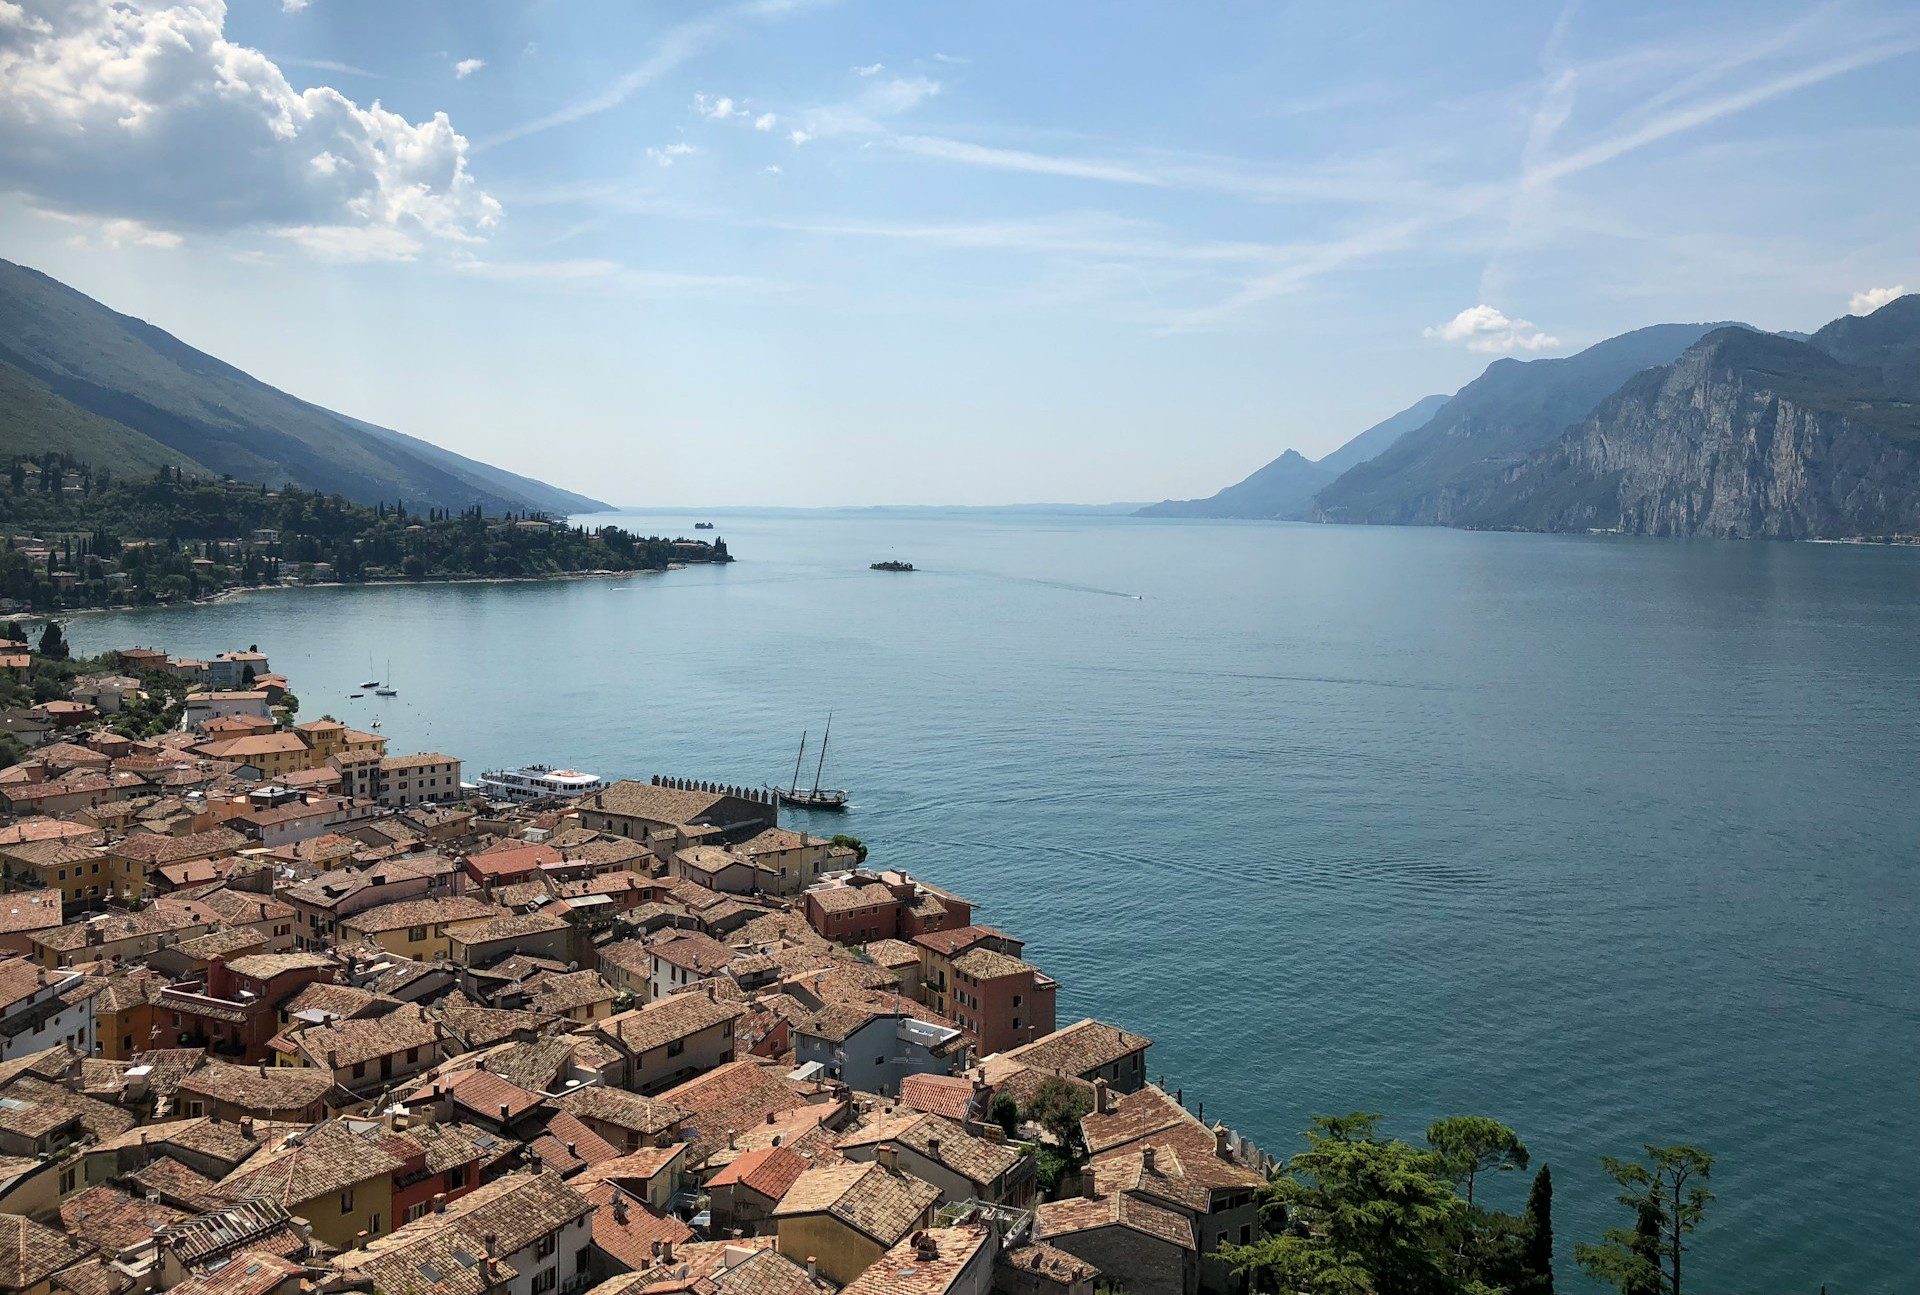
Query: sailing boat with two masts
pixel 819 797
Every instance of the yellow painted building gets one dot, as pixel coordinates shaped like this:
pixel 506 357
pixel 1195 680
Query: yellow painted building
pixel 415 928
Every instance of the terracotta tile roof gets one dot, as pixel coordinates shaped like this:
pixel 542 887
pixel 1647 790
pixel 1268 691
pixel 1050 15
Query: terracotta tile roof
pixel 423 760
pixel 479 1027
pixel 327 998
pixel 960 939
pixel 265 966
pixel 264 1090
pixel 158 917
pixel 482 1092
pixel 1079 1214
pixel 330 1157
pixel 730 1099
pixel 439 1254
pixel 101 1119
pixel 666 1020
pixel 655 804
pixel 866 1197
pixel 91 1277
pixel 567 1145
pixel 926 1263
pixel 418 912
pixel 535 1066
pixel 45 829
pixel 941 1141
pixel 950 1096
pixel 1079 1049
pixel 29 910
pixel 251 1272
pixel 701 954
pixel 892 953
pixel 153 848
pixel 849 899
pixel 769 1171
pixel 635 1167
pixel 366 1038
pixel 110 1220
pixel 30 1253
pixel 646 1116
pixel 1054 1264
pixel 627 1230
pixel 449 1144
pixel 987 964
pixel 178 1184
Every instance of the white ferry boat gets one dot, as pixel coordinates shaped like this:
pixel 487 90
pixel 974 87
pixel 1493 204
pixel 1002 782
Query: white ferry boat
pixel 538 782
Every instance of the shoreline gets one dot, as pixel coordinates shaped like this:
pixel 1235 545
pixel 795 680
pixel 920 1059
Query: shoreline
pixel 239 591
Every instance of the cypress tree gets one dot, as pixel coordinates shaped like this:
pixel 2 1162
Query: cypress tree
pixel 1538 1254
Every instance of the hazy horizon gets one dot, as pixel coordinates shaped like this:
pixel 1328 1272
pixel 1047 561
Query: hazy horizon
pixel 826 253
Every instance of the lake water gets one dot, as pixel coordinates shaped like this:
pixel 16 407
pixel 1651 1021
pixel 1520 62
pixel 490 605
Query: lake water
pixel 1614 840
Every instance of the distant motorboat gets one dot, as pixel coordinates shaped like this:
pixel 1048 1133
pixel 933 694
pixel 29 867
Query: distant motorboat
pixel 703 526
pixel 356 694
pixel 890 566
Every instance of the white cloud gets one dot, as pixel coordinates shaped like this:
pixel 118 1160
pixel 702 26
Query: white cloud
pixel 870 69
pixel 718 109
pixel 799 136
pixel 671 153
pixel 149 114
pixel 1865 303
pixel 466 67
pixel 293 6
pixel 1486 330
pixel 764 121
pixel 772 168
pixel 955 59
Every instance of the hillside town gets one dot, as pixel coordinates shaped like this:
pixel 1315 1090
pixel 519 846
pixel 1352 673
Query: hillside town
pixel 284 1010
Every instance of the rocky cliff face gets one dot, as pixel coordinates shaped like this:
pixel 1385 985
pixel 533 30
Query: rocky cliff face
pixel 1747 435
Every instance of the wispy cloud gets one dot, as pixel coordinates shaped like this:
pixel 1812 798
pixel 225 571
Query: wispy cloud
pixel 674 48
pixel 870 69
pixel 591 272
pixel 671 153
pixel 466 67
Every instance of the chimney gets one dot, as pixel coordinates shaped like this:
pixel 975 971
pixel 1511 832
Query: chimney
pixel 246 1127
pixel 573 1150
pixel 1222 1142
pixel 656 1250
pixel 1146 1159
pixel 770 1118
pixel 666 1252
pixel 333 1058
pixel 1102 1101
pixel 1089 1184
pixel 504 1108
pixel 733 1139
pixel 489 1259
pixel 439 1202
pixel 813 1268
pixel 888 1156
pixel 925 1248
pixel 933 1147
pixel 619 1208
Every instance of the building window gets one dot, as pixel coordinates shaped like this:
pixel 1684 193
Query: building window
pixel 346 1201
pixel 543 1281
pixel 416 932
pixel 676 1047
pixel 544 1247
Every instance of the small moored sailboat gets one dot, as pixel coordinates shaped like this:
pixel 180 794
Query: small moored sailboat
pixel 817 797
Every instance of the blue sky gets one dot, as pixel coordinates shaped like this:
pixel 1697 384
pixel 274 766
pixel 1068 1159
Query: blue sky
pixel 856 251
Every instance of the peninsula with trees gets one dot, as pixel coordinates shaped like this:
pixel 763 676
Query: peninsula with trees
pixel 80 536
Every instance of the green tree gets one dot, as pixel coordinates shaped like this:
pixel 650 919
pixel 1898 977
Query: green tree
pixel 842 841
pixel 1471 1144
pixel 1539 1217
pixel 1006 1113
pixel 1058 1107
pixel 1668 1203
pixel 53 644
pixel 1354 1215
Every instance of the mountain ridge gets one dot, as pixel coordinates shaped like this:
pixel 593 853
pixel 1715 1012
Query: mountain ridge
pixel 119 372
pixel 1281 488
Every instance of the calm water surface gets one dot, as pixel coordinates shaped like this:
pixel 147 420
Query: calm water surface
pixel 1613 840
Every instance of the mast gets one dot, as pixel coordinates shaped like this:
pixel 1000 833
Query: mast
pixel 824 737
pixel 795 785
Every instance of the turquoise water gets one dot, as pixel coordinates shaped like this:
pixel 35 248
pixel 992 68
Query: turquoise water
pixel 1612 839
